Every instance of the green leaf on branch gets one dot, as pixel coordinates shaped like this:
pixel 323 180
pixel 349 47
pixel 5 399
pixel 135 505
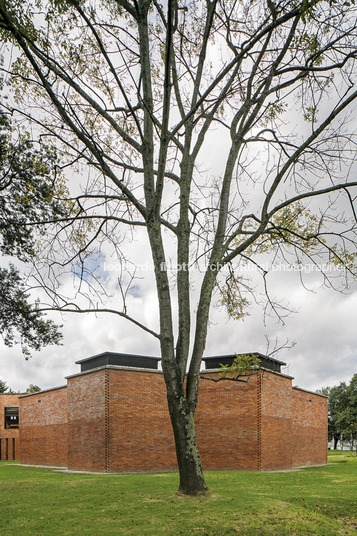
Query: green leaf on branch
pixel 243 365
pixel 20 322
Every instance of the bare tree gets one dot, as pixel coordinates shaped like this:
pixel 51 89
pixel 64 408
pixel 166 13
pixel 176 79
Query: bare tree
pixel 139 94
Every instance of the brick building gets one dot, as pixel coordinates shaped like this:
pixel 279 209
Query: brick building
pixel 9 426
pixel 112 417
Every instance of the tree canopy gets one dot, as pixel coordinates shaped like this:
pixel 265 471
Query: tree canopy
pixel 33 389
pixel 20 321
pixel 217 133
pixel 342 404
pixel 3 386
pixel 27 196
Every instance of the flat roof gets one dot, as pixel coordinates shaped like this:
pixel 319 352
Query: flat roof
pixel 262 356
pixel 43 391
pixel 208 358
pixel 116 354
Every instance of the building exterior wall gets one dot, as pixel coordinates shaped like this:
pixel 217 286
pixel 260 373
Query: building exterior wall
pixel 309 414
pixel 9 437
pixel 43 428
pixel 276 424
pixel 115 419
pixel 227 424
pixel 87 421
pixel 140 436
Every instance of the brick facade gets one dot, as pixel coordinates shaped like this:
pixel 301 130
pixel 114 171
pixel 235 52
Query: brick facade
pixel 87 422
pixel 43 428
pixel 140 436
pixel 227 424
pixel 115 419
pixel 276 443
pixel 310 429
pixel 263 425
pixel 9 437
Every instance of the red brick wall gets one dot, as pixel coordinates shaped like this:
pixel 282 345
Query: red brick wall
pixel 140 434
pixel 9 444
pixel 43 428
pixel 275 421
pixel 260 425
pixel 309 413
pixel 227 424
pixel 87 422
pixel 118 421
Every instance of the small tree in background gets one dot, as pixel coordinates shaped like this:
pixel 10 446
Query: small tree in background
pixel 33 389
pixel 3 386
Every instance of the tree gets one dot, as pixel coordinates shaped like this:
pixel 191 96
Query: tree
pixel 344 413
pixel 27 195
pixel 337 401
pixel 20 321
pixel 3 386
pixel 135 95
pixel 351 419
pixel 33 389
pixel 342 409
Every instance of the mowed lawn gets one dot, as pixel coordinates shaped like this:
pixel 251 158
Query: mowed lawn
pixel 317 501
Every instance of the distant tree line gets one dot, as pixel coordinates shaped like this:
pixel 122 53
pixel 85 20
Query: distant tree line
pixel 5 389
pixel 342 412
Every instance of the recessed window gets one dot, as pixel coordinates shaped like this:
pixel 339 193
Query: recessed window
pixel 11 417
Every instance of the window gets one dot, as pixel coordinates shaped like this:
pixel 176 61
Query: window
pixel 11 417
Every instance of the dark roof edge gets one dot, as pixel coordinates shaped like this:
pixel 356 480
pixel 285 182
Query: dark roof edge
pixel 307 391
pixel 11 394
pixel 114 367
pixel 245 353
pixel 209 371
pixel 118 354
pixel 43 391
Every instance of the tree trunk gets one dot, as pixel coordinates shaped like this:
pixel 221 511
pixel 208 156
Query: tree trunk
pixel 192 481
pixel 336 438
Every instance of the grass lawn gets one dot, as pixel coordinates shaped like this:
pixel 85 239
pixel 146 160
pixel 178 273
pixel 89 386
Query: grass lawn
pixel 318 501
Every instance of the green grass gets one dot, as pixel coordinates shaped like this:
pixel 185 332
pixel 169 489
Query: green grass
pixel 318 501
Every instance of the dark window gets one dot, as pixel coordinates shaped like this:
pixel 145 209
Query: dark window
pixel 11 417
pixel 6 449
pixel 13 449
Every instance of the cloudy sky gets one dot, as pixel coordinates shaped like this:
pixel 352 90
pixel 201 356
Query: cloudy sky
pixel 324 329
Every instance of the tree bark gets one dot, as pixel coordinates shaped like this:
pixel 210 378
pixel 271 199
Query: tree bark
pixel 336 438
pixel 182 414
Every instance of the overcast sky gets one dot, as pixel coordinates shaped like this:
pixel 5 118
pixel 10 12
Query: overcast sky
pixel 324 329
